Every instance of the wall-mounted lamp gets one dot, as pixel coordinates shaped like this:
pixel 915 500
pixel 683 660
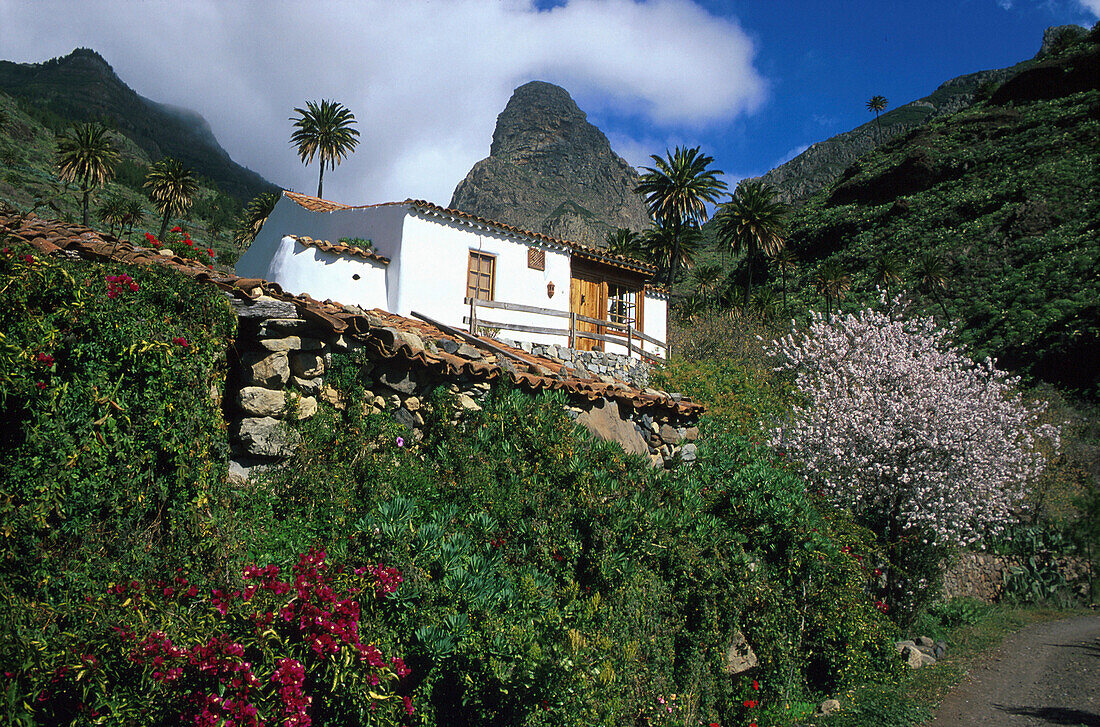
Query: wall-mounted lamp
pixel 550 289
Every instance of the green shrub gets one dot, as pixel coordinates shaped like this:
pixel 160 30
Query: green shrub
pixel 112 440
pixel 259 649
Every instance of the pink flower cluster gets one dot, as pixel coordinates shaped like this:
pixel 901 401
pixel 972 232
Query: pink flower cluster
pixel 290 676
pixel 386 580
pixel 118 283
pixel 225 690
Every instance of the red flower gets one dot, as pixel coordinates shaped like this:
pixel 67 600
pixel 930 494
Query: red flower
pixel 755 685
pixel 751 703
pixel 177 229
pixel 180 341
pixel 209 252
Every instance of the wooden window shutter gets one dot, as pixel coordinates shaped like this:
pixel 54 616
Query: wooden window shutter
pixel 536 258
pixel 479 276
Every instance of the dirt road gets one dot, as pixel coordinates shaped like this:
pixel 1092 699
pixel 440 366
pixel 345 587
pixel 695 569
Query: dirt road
pixel 1047 674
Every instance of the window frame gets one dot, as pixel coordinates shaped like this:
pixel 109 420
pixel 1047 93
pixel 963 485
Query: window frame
pixel 474 289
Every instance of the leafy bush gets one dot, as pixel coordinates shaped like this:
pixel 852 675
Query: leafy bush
pixel 112 442
pixel 551 579
pixel 166 652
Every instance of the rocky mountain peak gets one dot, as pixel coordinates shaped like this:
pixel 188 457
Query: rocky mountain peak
pixel 549 170
pixel 539 117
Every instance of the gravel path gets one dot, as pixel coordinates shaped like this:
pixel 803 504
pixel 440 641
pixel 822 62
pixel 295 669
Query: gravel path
pixel 1046 674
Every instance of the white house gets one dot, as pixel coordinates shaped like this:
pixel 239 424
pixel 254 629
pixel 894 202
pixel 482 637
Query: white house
pixel 433 261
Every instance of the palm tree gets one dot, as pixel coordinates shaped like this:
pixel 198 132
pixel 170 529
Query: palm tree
pixel 672 250
pixel 787 263
pixel 135 214
pixel 833 283
pixel 887 271
pixel 625 242
pixel 753 222
pixel 113 212
pixel 253 218
pixel 932 275
pixel 85 154
pixel 677 190
pixel 706 280
pixel 877 104
pixel 325 131
pixel 172 188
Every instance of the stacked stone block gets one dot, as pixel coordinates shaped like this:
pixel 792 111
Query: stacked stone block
pixel 281 362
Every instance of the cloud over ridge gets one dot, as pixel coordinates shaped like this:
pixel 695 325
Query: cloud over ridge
pixel 424 79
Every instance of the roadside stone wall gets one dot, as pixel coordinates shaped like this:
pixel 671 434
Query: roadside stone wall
pixel 279 369
pixel 982 575
pixel 619 367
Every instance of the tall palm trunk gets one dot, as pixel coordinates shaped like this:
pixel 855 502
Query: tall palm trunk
pixel 321 179
pixel 84 204
pixel 164 224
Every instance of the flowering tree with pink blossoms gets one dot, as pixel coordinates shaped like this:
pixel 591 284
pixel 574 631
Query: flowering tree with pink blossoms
pixel 925 446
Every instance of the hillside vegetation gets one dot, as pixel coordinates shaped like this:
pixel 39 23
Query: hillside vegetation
pixel 998 200
pixel 82 86
pixel 29 179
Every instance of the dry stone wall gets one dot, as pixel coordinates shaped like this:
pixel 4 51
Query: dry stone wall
pixel 281 363
pixel 605 366
pixel 983 575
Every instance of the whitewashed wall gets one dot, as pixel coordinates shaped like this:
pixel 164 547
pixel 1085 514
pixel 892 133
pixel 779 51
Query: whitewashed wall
pixel 381 225
pixel 435 259
pixel 429 255
pixel 655 323
pixel 345 278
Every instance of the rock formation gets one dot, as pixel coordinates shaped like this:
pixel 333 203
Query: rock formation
pixel 549 170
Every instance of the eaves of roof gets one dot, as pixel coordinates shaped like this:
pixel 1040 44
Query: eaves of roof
pixel 340 249
pixel 385 334
pixel 315 204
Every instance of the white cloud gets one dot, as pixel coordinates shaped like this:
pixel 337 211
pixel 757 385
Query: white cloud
pixel 1091 6
pixel 425 80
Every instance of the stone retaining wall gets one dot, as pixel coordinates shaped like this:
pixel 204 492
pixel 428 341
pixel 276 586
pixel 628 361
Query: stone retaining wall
pixel 619 367
pixel 982 575
pixel 280 363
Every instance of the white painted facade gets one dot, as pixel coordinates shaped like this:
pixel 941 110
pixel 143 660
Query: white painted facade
pixel 302 268
pixel 429 251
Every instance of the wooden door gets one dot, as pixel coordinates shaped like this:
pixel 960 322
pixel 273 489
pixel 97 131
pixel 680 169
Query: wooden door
pixel 588 298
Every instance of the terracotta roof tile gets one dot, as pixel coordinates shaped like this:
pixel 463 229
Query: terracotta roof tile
pixel 341 249
pixel 316 204
pixel 387 335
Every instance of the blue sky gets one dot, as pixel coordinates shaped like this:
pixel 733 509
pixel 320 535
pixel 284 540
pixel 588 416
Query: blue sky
pixel 751 82
pixel 823 60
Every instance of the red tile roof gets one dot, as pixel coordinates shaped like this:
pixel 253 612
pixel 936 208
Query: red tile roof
pixel 341 249
pixel 315 204
pixel 387 335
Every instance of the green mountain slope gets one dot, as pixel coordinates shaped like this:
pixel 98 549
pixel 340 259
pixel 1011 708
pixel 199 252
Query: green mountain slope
pixel 28 177
pixel 82 86
pixel 1004 195
pixel 823 163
